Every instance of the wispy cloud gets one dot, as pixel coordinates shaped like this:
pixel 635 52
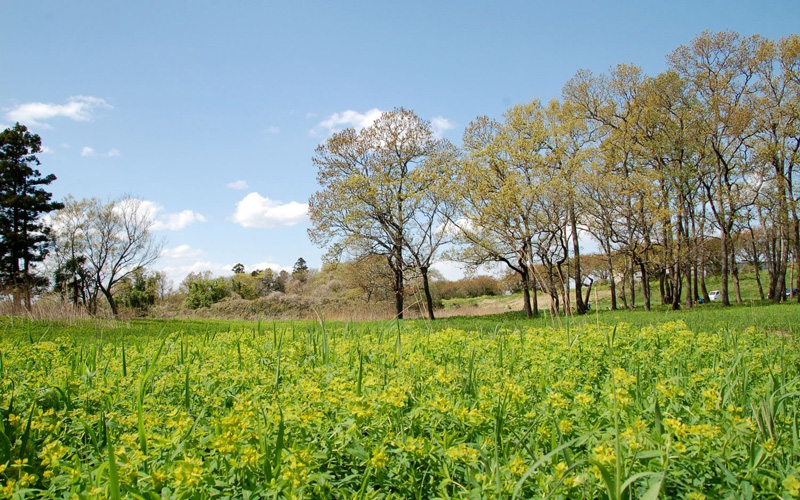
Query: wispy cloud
pixel 255 210
pixel 239 185
pixel 182 252
pixel 440 124
pixel 272 130
pixel 167 221
pixel 77 108
pixel 346 119
pixel 89 151
pixel 177 221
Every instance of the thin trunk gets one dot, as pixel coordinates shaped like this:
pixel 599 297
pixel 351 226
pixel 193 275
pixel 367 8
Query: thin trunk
pixel 607 249
pixel 587 299
pixel 645 285
pixel 396 264
pixel 725 269
pixel 427 288
pixel 756 261
pixel 632 283
pixel 111 302
pixel 735 274
pixel 580 307
pixel 526 291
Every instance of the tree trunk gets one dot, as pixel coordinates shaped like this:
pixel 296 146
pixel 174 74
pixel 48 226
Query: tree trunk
pixel 111 302
pixel 580 307
pixel 427 288
pixel 645 285
pixel 723 289
pixel 396 264
pixel 756 262
pixel 735 274
pixel 607 249
pixel 587 299
pixel 632 284
pixel 526 291
pixel 796 233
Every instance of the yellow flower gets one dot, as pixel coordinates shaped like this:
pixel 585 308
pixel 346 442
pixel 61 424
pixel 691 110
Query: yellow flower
pixel 463 453
pixel 792 485
pixel 517 465
pixel 9 488
pixel 379 458
pixel 604 454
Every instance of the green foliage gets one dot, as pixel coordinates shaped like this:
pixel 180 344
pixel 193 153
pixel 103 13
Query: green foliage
pixel 24 239
pixel 140 289
pixel 300 270
pixel 205 292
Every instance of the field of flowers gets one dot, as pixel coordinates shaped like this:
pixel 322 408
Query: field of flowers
pixel 395 410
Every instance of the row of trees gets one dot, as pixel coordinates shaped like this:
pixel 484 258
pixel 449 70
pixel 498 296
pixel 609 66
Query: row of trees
pixel 654 168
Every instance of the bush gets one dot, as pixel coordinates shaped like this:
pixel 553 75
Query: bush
pixel 205 292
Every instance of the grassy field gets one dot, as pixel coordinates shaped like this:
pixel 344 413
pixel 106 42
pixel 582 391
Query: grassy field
pixel 695 404
pixel 600 299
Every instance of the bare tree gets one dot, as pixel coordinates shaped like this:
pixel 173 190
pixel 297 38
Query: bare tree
pixel 114 239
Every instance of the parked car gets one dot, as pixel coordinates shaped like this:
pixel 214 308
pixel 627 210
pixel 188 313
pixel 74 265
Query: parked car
pixel 714 295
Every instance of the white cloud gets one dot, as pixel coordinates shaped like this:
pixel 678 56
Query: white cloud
pixel 182 252
pixel 47 150
pixel 346 119
pixel 78 108
pixel 439 125
pixel 272 129
pixel 89 151
pixel 256 211
pixel 165 221
pixel 176 221
pixel 239 185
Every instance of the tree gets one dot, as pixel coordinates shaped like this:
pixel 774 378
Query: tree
pixel 498 192
pixel 300 270
pixel 73 277
pixel 238 269
pixel 721 69
pixel 139 290
pixel 370 187
pixel 114 238
pixel 203 291
pixel 24 239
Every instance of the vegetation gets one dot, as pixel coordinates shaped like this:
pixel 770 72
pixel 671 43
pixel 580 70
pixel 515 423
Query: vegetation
pixel 381 195
pixel 452 409
pixel 24 238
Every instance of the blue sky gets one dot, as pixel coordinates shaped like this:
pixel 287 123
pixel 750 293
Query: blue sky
pixel 211 111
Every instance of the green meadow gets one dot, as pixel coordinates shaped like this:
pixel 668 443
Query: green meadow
pixel 700 403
